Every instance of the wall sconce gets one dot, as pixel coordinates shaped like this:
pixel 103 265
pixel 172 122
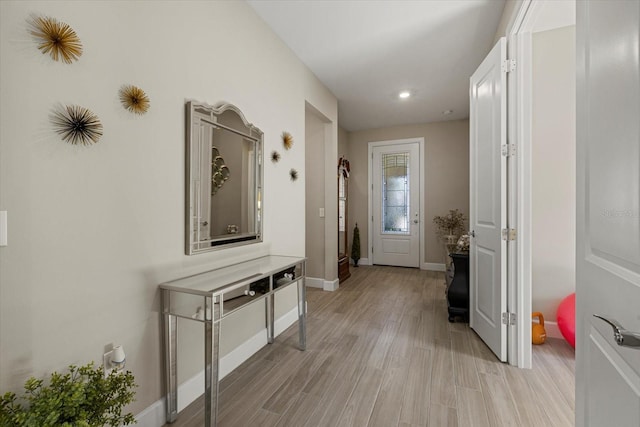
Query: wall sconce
pixel 114 360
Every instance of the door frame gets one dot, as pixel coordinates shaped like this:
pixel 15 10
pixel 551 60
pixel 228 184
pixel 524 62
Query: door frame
pixel 519 205
pixel 421 160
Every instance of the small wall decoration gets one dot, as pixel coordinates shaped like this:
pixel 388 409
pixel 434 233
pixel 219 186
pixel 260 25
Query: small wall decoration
pixel 56 38
pixel 134 99
pixel 344 167
pixel 76 124
pixel 275 156
pixel 287 140
pixel 293 174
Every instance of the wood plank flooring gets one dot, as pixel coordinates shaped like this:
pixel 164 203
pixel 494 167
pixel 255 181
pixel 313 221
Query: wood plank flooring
pixel 380 352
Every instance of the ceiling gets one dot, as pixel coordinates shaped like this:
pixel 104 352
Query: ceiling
pixel 366 52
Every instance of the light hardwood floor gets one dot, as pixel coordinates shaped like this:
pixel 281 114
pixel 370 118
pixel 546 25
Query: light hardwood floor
pixel 380 352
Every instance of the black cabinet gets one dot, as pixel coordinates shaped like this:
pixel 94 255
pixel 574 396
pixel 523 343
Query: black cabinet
pixel 458 288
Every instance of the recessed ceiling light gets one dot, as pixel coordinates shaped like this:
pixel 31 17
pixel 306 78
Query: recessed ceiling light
pixel 404 94
pixel 447 112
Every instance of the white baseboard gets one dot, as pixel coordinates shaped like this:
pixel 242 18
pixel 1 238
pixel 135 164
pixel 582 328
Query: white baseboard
pixel 326 285
pixel 155 414
pixel 361 261
pixel 433 266
pixel 331 285
pixel 552 329
pixel 314 282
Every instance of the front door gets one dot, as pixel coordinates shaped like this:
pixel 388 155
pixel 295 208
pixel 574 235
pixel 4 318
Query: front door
pixel 608 213
pixel 487 217
pixel 396 204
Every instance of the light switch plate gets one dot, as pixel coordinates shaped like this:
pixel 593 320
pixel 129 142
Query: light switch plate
pixel 321 212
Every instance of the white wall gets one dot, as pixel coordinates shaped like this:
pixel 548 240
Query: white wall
pixel 553 166
pixel 94 230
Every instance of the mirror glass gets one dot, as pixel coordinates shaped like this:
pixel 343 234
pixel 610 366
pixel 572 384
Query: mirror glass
pixel 342 215
pixel 224 178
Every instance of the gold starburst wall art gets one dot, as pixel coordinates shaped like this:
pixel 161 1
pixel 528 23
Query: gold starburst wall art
pixel 76 124
pixel 287 140
pixel 56 38
pixel 134 99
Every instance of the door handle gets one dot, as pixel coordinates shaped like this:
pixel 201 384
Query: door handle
pixel 472 233
pixel 415 221
pixel 622 336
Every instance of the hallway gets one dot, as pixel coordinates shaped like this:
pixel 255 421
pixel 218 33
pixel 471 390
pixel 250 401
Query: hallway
pixel 380 352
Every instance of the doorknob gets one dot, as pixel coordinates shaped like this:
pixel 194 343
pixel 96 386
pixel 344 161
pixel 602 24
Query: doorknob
pixel 621 335
pixel 415 221
pixel 472 233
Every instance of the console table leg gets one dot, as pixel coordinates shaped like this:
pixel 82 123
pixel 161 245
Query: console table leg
pixel 302 313
pixel 270 307
pixel 170 326
pixel 211 346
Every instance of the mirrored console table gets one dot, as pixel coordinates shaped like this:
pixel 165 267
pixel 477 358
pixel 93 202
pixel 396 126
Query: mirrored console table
pixel 209 297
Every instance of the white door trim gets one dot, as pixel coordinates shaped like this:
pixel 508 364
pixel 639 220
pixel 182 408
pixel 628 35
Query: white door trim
pixel 420 140
pixel 519 125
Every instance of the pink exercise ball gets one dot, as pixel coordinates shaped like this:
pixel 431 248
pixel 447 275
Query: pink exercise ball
pixel 566 316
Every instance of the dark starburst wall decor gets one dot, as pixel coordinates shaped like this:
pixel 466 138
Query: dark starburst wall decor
pixel 76 124
pixel 293 174
pixel 287 140
pixel 134 99
pixel 275 156
pixel 56 38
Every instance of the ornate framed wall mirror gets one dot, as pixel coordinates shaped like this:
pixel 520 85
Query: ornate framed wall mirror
pixel 223 205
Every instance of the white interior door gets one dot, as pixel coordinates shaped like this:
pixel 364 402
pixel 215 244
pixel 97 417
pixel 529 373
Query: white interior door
pixel 608 207
pixel 487 218
pixel 396 204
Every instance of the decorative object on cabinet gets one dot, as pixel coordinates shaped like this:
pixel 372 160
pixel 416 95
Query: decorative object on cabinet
pixel 463 243
pixel 275 156
pixel 212 131
pixel 76 124
pixel 451 224
pixel 56 38
pixel 355 246
pixel 343 216
pixel 81 397
pixel 203 298
pixel 293 174
pixel 449 228
pixel 458 287
pixel 134 99
pixel 287 140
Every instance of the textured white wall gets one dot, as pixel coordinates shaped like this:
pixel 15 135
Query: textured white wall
pixel 554 169
pixel 94 230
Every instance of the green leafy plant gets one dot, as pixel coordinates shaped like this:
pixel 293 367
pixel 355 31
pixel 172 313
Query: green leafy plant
pixel 83 397
pixel 451 224
pixel 355 246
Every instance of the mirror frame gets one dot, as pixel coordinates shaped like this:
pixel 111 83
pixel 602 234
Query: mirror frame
pixel 212 112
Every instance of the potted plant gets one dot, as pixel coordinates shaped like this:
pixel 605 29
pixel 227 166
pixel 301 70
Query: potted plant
pixel 83 397
pixel 450 226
